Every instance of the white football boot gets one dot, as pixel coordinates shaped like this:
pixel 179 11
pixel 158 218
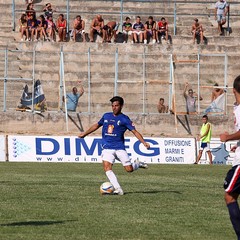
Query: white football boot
pixel 141 164
pixel 118 191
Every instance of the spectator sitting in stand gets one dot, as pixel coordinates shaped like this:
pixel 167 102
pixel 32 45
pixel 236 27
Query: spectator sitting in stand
pixel 162 30
pixel 61 26
pixel 48 11
pixel 44 27
pixel 32 27
pixel 150 29
pixel 138 31
pixel 78 28
pixel 217 100
pixel 30 11
pixel 97 27
pixel 127 30
pixel 39 29
pixel 161 107
pixel 23 27
pixel 111 31
pixel 197 30
pixel 50 28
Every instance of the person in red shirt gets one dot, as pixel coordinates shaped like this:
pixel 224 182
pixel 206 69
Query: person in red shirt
pixel 61 26
pixel 162 30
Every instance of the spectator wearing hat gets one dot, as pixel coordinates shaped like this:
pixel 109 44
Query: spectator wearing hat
pixel 197 31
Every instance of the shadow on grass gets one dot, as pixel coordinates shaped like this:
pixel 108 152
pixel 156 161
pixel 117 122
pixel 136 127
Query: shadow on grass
pixel 154 192
pixel 34 223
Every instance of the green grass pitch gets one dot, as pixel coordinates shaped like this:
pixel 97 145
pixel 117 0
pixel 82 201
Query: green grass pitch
pixel 59 201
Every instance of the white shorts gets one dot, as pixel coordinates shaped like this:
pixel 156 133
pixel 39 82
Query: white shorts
pixel 205 146
pixel 79 31
pixel 138 32
pixel 110 155
pixel 127 32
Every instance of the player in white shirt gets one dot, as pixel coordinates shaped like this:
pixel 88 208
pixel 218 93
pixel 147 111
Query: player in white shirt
pixel 232 180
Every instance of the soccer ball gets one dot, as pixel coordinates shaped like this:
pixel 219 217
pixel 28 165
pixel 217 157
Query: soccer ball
pixel 106 188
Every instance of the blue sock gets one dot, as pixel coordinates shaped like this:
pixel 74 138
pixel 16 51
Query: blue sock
pixel 234 213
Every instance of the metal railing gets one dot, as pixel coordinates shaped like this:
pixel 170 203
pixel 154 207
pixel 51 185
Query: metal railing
pixel 6 78
pixel 117 81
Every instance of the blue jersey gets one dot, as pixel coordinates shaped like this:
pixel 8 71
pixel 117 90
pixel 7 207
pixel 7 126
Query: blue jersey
pixel 113 129
pixel 138 26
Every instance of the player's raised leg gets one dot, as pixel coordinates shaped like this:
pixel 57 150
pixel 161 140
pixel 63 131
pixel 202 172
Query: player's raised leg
pixel 138 164
pixel 128 164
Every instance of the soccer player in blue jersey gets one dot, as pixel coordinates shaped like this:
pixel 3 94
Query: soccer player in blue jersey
pixel 232 180
pixel 114 124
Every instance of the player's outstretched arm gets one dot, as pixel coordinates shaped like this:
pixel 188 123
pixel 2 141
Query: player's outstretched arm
pixel 139 136
pixel 224 137
pixel 93 128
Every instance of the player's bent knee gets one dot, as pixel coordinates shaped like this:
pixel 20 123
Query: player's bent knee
pixel 129 168
pixel 229 198
pixel 107 166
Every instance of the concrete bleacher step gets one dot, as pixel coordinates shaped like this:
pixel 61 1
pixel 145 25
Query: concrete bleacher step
pixel 130 56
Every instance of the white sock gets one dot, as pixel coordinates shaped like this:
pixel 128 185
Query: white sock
pixel 135 164
pixel 113 179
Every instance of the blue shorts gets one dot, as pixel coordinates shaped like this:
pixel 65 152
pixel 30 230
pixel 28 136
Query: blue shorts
pixel 232 180
pixel 205 146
